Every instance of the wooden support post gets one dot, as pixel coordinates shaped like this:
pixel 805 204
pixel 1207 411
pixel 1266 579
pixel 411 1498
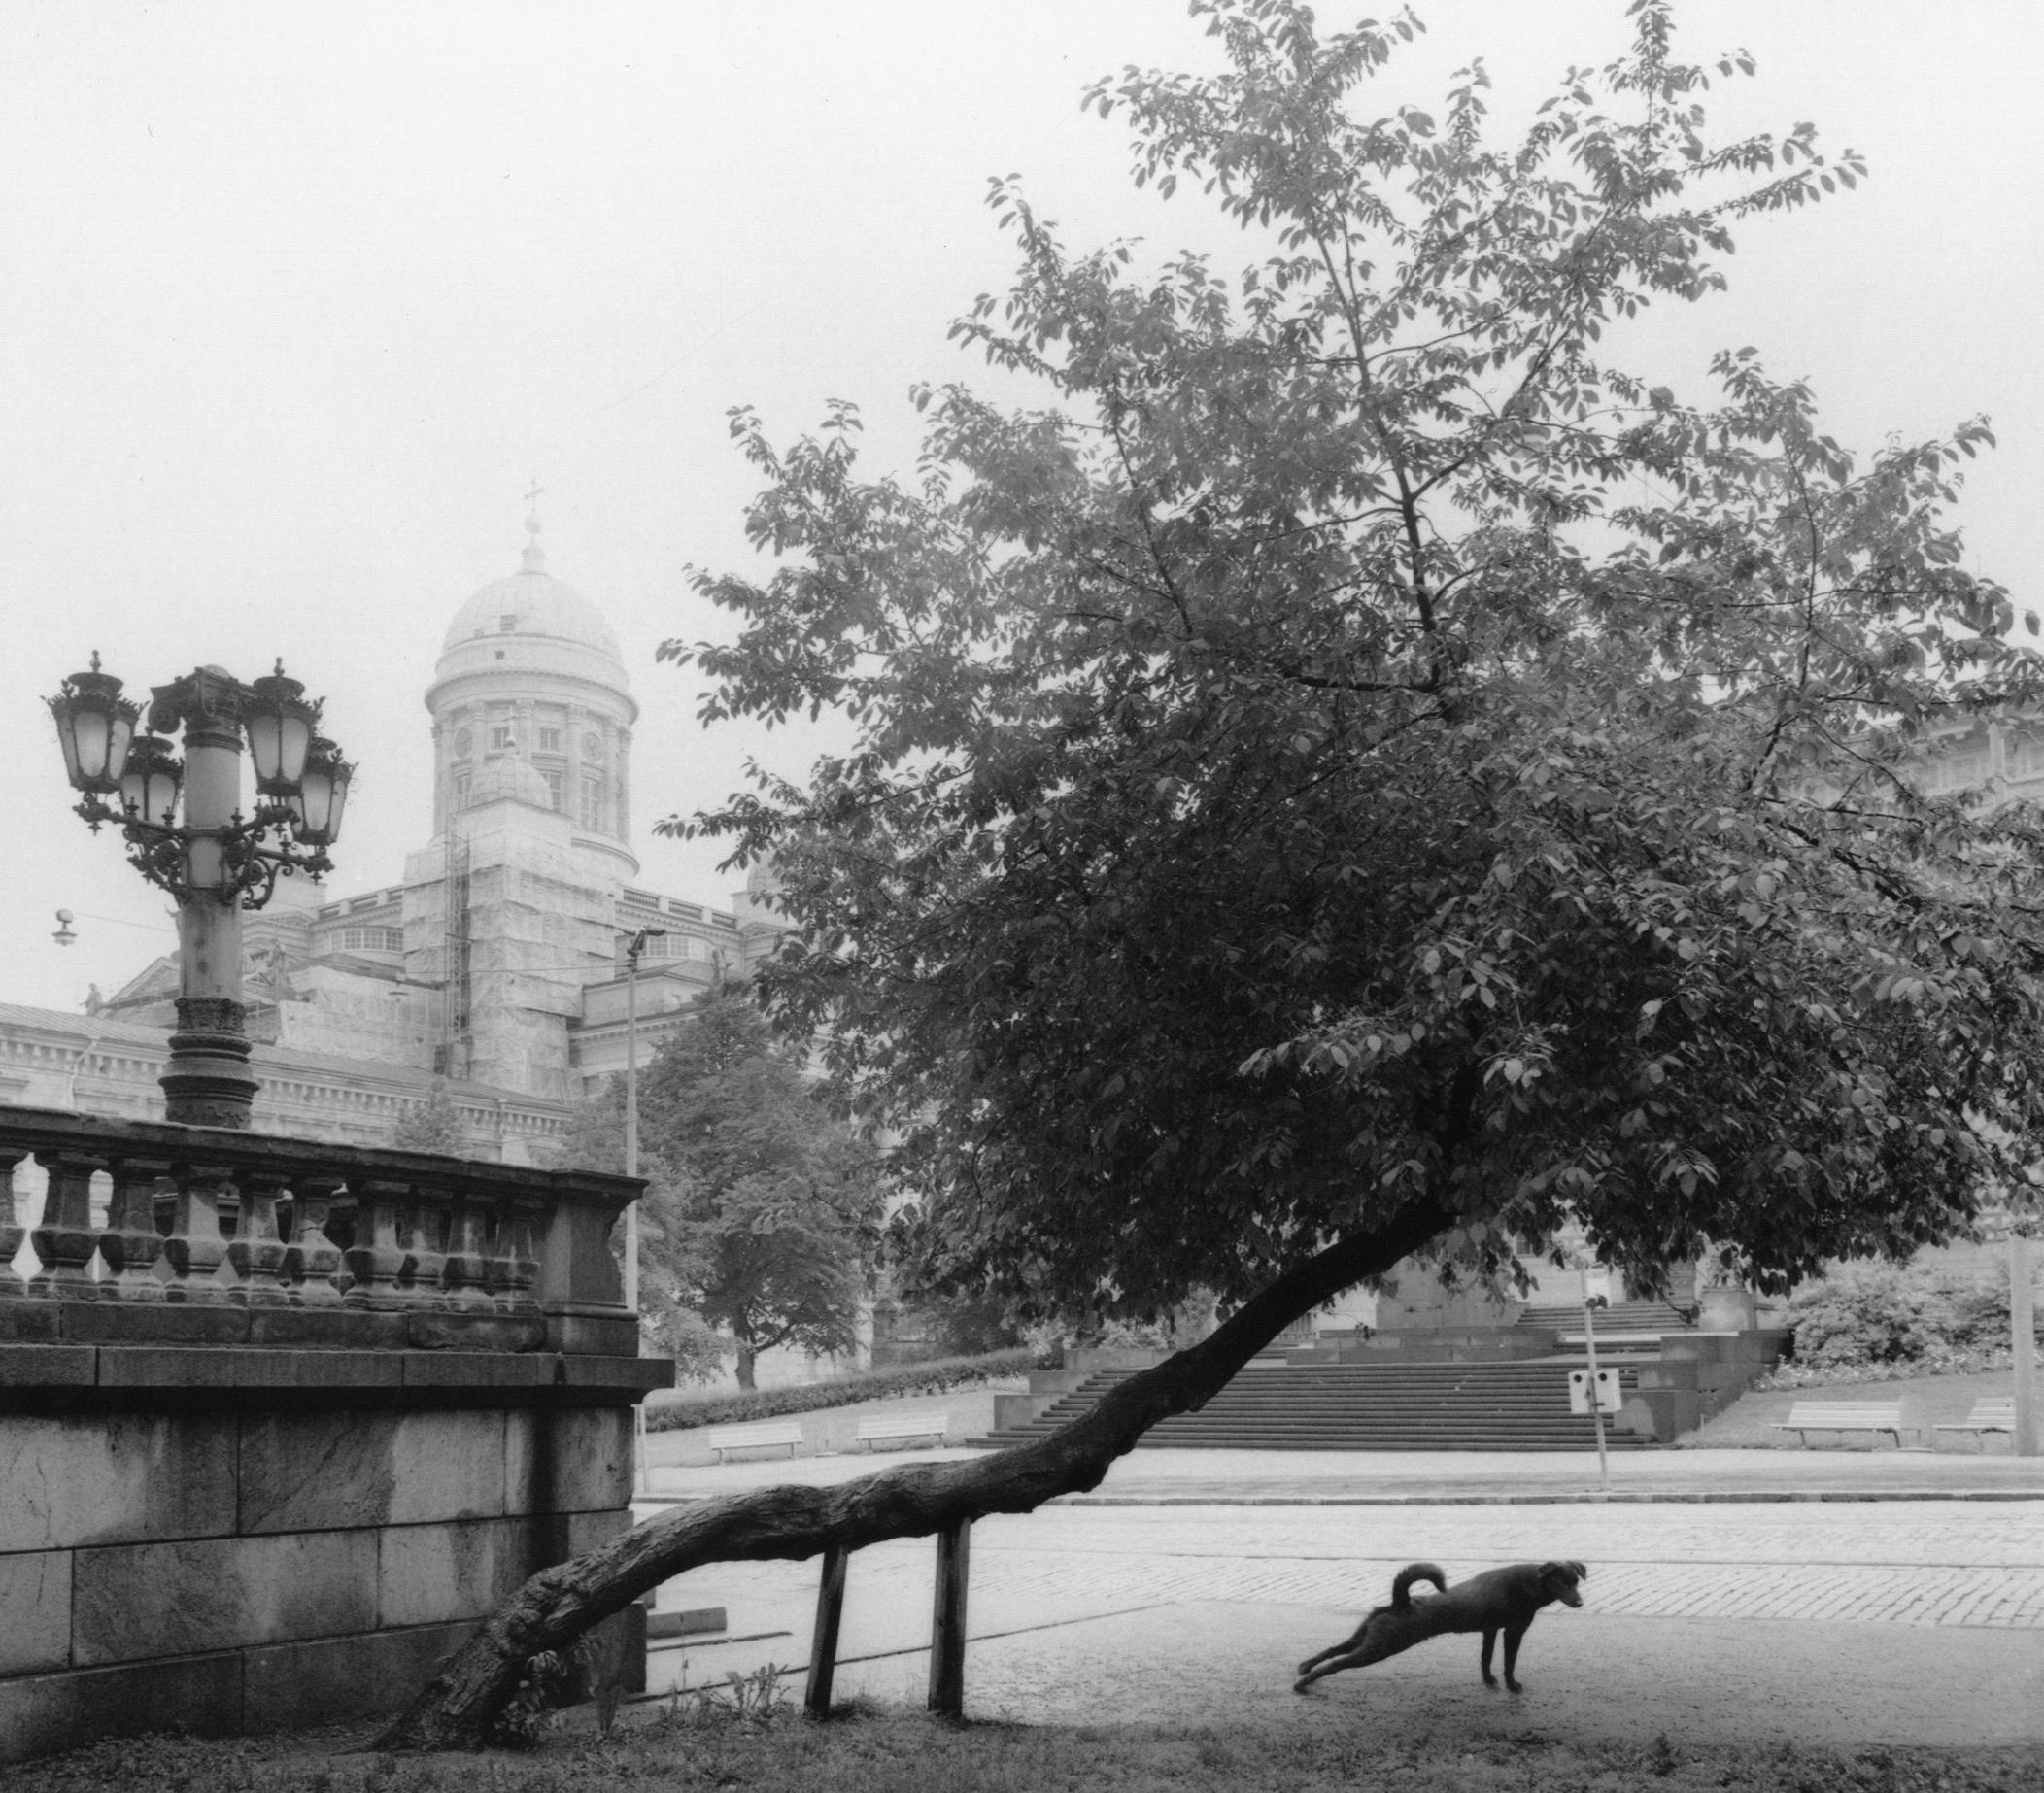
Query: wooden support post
pixel 823 1650
pixel 947 1625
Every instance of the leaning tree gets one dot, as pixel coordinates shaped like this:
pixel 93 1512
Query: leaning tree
pixel 1359 771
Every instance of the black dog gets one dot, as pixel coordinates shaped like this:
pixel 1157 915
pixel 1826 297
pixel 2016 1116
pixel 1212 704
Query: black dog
pixel 1499 1600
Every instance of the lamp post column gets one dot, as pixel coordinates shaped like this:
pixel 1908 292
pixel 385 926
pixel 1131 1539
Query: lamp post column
pixel 2023 1343
pixel 632 1232
pixel 633 949
pixel 208 1082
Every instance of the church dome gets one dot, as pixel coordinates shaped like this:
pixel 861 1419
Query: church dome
pixel 531 703
pixel 533 603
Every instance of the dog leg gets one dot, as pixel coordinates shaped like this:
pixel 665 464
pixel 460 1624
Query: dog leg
pixel 1335 1664
pixel 1489 1641
pixel 1312 1661
pixel 1513 1634
pixel 1354 1641
pixel 1374 1649
pixel 1330 1665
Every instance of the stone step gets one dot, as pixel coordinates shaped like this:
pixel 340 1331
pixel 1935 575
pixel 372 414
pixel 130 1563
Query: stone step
pixel 1355 1406
pixel 1619 1317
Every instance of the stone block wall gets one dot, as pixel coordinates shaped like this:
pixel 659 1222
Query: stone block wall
pixel 1698 1376
pixel 245 1555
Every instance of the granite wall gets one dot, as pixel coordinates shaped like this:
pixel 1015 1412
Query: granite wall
pixel 230 1540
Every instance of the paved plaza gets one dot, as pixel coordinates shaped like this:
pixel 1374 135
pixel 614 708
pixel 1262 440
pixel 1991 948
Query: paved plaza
pixel 1892 1596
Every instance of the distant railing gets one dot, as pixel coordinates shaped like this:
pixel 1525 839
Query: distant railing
pixel 317 1243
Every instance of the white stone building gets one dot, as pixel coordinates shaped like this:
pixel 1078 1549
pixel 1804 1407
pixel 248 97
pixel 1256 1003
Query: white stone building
pixel 496 964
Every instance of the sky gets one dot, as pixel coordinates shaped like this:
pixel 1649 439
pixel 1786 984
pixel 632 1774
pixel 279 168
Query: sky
pixel 296 303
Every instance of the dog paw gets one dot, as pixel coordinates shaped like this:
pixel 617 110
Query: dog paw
pixel 1301 1686
pixel 1515 1687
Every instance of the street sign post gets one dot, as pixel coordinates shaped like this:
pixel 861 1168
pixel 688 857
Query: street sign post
pixel 1597 1293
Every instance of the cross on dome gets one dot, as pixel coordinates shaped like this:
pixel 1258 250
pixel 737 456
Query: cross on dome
pixel 535 556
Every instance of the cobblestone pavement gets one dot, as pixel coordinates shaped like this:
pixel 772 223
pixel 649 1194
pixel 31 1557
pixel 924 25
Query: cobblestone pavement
pixel 1841 1597
pixel 1932 1564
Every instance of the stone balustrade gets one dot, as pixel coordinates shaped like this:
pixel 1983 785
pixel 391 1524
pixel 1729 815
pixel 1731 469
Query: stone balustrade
pixel 209 1236
pixel 281 1421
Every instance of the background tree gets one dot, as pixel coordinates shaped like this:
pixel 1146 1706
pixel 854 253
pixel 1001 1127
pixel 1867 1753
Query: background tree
pixel 434 1126
pixel 593 1139
pixel 775 1205
pixel 1359 770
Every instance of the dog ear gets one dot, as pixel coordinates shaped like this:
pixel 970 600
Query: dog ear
pixel 1562 1572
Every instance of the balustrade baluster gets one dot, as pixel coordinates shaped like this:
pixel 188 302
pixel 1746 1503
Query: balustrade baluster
pixel 198 1217
pixel 469 1263
pixel 426 1247
pixel 256 1251
pixel 131 1244
pixel 312 1262
pixel 518 1233
pixel 195 1248
pixel 498 1225
pixel 67 1238
pixel 376 1260
pixel 12 1230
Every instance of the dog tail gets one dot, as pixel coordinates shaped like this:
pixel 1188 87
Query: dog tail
pixel 1402 1588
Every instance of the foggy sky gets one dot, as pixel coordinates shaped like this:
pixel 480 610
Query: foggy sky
pixel 296 302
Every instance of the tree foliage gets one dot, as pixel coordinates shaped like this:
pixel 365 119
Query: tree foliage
pixel 1359 744
pixel 772 1203
pixel 1358 770
pixel 670 1271
pixel 434 1126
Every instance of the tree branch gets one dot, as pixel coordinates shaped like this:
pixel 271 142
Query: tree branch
pixel 457 1708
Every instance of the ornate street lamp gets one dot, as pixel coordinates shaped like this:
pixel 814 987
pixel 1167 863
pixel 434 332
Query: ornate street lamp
pixel 321 796
pixel 94 723
pixel 149 786
pixel 280 725
pixel 216 862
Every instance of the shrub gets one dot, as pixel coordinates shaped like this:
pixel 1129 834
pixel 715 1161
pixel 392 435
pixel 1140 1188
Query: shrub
pixel 932 1378
pixel 1870 1313
pixel 1981 1316
pixel 975 1326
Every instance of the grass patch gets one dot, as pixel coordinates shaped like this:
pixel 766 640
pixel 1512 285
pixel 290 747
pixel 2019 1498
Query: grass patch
pixel 870 1751
pixel 1747 1422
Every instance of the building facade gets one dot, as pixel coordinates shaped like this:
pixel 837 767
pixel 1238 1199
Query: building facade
pixel 497 963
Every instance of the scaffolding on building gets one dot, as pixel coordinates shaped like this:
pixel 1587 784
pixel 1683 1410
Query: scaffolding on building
pixel 452 1055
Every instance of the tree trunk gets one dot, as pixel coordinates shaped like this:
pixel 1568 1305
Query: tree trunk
pixel 747 1358
pixel 457 1708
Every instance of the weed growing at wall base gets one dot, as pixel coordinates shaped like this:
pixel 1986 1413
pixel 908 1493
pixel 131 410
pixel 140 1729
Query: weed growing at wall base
pixel 872 1751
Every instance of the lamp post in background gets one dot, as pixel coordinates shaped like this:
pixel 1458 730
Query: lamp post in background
pixel 633 949
pixel 2022 1339
pixel 216 862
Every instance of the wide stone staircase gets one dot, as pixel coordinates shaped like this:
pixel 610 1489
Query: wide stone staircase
pixel 1491 1406
pixel 1621 1323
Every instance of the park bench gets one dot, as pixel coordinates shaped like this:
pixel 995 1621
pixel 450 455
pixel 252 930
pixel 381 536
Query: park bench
pixel 744 1437
pixel 1807 1417
pixel 887 1428
pixel 1994 1414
